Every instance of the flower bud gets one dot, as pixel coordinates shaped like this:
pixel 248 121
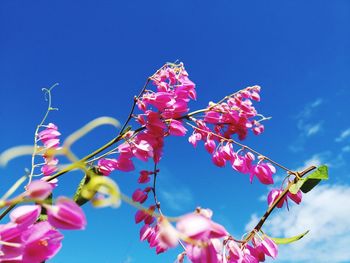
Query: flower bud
pixel 39 189
pixel 66 214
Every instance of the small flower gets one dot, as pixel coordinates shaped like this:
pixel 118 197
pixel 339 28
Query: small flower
pixel 144 177
pixel 25 215
pixel 273 195
pixel 176 128
pixel 264 172
pixel 296 198
pixel 39 189
pixel 168 235
pixel 199 227
pixel 41 242
pixel 66 214
pixel 139 196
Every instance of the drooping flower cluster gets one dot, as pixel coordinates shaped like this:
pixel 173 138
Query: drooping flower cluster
pixel 207 241
pixel 27 239
pixel 251 253
pixel 49 138
pixel 203 237
pixel 233 116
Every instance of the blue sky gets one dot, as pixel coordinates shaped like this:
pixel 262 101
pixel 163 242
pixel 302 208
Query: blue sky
pixel 101 52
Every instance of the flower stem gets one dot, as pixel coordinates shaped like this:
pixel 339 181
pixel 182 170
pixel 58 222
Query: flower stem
pixel 262 220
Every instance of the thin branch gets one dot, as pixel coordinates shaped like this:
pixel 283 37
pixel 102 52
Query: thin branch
pixel 49 108
pixel 274 205
pixel 243 146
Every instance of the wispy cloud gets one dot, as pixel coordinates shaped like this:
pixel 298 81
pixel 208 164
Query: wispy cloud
pixel 316 103
pixel 324 212
pixel 346 148
pixel 306 124
pixel 343 135
pixel 313 128
pixel 316 160
pixel 177 199
pixel 309 108
pixel 128 260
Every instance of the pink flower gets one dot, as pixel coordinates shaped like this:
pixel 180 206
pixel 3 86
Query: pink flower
pixel 176 128
pixel 50 166
pixel 235 253
pixel 257 252
pixel 180 258
pixel 125 164
pixel 145 216
pixel 295 197
pixel 39 189
pixel 144 177
pixel 210 145
pixel 258 129
pixel 49 136
pixel 212 117
pixel 255 96
pixel 264 172
pixel 142 150
pixel 139 196
pixel 273 195
pixel 268 246
pixel 218 159
pixel 25 215
pixel 199 227
pixel 106 166
pixel 41 242
pixel 32 244
pixel 66 214
pixel 194 138
pixel 168 235
pixel 140 216
pixel 145 232
pixel 201 254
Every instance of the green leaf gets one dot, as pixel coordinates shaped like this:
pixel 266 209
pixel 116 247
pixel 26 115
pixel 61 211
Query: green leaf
pixel 314 179
pixel 294 188
pixel 321 173
pixel 282 241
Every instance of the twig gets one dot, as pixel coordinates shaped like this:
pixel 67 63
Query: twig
pixel 273 206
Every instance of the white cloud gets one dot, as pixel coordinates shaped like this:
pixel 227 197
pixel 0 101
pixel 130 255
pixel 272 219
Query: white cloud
pixel 313 129
pixel 309 108
pixel 346 148
pixel 326 213
pixel 344 134
pixel 316 160
pixel 306 124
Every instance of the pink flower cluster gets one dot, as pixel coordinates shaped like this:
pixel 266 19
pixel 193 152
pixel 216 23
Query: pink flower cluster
pixel 206 241
pixel 240 160
pixel 254 253
pixel 221 122
pixel 24 239
pixel 150 229
pixel 50 140
pixel 160 109
pixel 236 114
